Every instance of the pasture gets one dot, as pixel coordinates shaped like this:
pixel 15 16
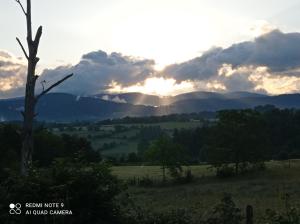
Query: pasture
pixel 263 189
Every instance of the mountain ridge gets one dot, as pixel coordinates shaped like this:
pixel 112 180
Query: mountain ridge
pixel 63 107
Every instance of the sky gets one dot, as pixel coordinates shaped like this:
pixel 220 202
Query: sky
pixel 162 47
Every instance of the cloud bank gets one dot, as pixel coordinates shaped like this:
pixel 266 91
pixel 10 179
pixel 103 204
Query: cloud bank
pixel 12 75
pixel 271 59
pixel 268 64
pixel 97 70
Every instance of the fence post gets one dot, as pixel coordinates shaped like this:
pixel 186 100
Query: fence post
pixel 249 214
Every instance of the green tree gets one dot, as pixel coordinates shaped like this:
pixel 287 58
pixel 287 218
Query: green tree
pixel 225 212
pixel 147 135
pixel 167 154
pixel 239 138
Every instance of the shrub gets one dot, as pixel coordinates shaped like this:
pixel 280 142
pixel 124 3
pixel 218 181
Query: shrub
pixel 89 190
pixel 137 215
pixel 291 215
pixel 188 176
pixel 175 172
pixel 180 176
pixel 225 213
pixel 225 171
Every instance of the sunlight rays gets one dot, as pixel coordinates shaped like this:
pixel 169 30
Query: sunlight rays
pixel 157 86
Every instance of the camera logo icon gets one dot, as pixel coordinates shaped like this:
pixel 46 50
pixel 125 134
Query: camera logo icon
pixel 15 209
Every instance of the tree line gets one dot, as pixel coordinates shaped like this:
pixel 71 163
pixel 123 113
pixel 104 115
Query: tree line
pixel 239 140
pixel 158 119
pixel 49 147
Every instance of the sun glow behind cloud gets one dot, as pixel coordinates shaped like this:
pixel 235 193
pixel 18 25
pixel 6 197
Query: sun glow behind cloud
pixel 261 78
pixel 260 27
pixel 156 86
pixel 12 72
pixel 267 64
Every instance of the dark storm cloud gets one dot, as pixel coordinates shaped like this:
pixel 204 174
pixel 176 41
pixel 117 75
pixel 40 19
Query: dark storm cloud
pixel 97 70
pixel 276 50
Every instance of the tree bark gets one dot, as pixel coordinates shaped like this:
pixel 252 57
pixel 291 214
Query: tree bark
pixel 29 104
pixel 30 98
pixel 29 114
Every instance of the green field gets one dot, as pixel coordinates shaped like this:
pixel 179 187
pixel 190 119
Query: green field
pixel 263 189
pixel 126 141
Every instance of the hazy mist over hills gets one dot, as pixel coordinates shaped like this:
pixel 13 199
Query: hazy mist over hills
pixel 64 107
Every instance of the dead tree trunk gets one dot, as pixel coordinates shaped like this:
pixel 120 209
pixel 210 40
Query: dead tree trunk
pixel 30 98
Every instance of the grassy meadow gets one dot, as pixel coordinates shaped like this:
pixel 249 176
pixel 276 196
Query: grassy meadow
pixel 263 189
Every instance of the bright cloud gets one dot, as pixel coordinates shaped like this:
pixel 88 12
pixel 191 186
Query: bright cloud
pixel 257 79
pixel 115 99
pixel 268 64
pixel 276 84
pixel 12 75
pixel 156 85
pixel 260 27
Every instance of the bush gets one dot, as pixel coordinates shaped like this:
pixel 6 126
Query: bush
pixel 48 147
pixel 136 215
pixel 291 215
pixel 89 190
pixel 175 172
pixel 226 213
pixel 180 176
pixel 225 171
pixel 188 176
pixel 223 213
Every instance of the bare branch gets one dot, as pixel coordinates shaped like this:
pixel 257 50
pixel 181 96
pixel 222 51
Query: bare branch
pixel 23 49
pixel 36 77
pixel 38 35
pixel 52 86
pixel 20 3
pixel 42 83
pixel 37 38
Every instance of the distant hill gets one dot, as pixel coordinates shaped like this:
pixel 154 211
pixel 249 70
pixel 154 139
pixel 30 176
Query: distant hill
pixel 214 95
pixel 67 107
pixel 222 103
pixel 236 95
pixel 151 100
